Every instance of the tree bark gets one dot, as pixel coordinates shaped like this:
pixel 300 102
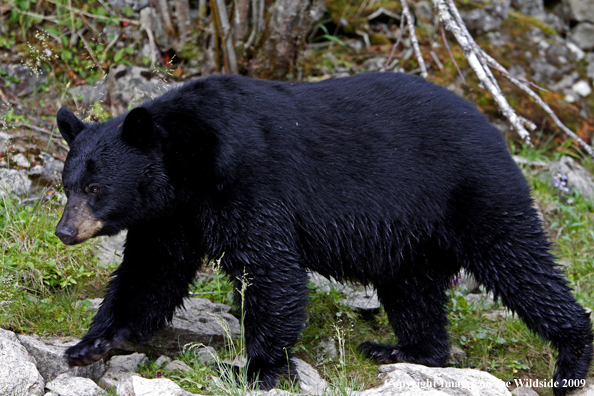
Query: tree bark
pixel 184 23
pixel 276 54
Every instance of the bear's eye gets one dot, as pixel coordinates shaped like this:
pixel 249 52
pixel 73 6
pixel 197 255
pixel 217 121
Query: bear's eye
pixel 66 189
pixel 94 190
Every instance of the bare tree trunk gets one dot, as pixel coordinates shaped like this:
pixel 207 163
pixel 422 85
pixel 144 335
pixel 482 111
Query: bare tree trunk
pixel 166 18
pixel 223 31
pixel 276 54
pixel 184 23
pixel 242 8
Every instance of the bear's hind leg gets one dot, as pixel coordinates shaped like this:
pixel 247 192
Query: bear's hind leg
pixel 517 266
pixel 414 300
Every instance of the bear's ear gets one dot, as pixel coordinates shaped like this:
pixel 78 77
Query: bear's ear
pixel 139 128
pixel 69 125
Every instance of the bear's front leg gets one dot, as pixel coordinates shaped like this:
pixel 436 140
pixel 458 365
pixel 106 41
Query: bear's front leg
pixel 160 261
pixel 272 290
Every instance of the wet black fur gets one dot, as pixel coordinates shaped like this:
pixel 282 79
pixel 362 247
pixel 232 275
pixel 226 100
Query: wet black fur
pixel 382 178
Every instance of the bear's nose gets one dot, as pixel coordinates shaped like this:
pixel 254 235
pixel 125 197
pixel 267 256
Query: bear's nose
pixel 66 234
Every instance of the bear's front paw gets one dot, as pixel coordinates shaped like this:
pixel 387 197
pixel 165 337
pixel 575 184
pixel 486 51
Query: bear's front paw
pixel 90 350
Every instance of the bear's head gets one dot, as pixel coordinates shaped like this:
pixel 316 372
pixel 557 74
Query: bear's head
pixel 113 176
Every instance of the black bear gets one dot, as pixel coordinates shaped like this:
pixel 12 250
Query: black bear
pixel 382 178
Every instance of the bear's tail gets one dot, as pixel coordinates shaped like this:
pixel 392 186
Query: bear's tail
pixel 512 260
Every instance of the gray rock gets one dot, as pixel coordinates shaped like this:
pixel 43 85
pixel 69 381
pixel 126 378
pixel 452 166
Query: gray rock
pixel 111 249
pixel 581 10
pixel 113 378
pixel 49 354
pixel 130 84
pixel 479 299
pixel 412 379
pixel 206 355
pixel 14 182
pixel 149 17
pixel 179 366
pixel 587 390
pixel 356 297
pixel 21 161
pixel 52 170
pixel 68 385
pixel 28 79
pixel 135 5
pixel 162 360
pixel 95 304
pixel 127 362
pixel 577 176
pixel 89 94
pixel 457 355
pixel 279 392
pixel 326 351
pixel 566 82
pixel 199 323
pixel 524 391
pixel 498 313
pixel 310 381
pixel 531 7
pixel 18 371
pixel 5 141
pixel 486 19
pixel 582 88
pixel 583 35
pixel 120 369
pixel 423 11
pixel 138 386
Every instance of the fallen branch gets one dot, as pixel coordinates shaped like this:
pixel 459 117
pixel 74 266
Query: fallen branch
pixel 481 62
pixel 413 37
pixel 450 18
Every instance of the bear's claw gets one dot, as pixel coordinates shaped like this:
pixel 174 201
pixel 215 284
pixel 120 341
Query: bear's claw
pixel 89 351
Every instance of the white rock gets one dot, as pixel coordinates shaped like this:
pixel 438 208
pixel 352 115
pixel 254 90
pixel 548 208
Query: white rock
pixel 14 181
pixel 578 177
pixel 279 392
pixel 524 391
pixel 4 141
pixel 138 386
pixel 21 161
pixel 162 360
pixel 310 382
pixel 18 369
pixel 577 51
pixel 120 369
pixel 357 297
pixel 199 322
pixel 178 365
pixel 49 355
pixel 582 88
pixel 404 379
pixel 587 390
pixel 68 385
pixel 127 362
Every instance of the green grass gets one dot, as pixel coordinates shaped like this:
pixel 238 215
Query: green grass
pixel 40 278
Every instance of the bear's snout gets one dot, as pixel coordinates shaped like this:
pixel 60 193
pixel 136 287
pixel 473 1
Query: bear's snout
pixel 78 222
pixel 66 234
